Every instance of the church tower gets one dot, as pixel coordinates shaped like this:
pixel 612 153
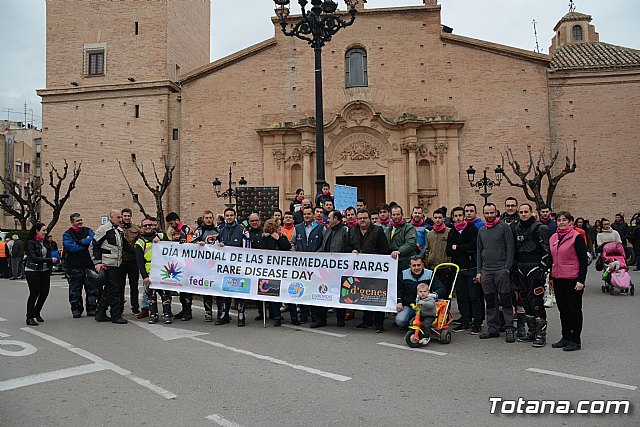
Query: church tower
pixel 112 96
pixel 574 27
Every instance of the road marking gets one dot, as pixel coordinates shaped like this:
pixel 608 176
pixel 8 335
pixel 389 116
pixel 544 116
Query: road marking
pixel 3 335
pixel 579 378
pixel 103 363
pixel 27 349
pixel 167 333
pixel 404 347
pixel 314 371
pixel 221 421
pixel 49 376
pixel 300 328
pixel 2 319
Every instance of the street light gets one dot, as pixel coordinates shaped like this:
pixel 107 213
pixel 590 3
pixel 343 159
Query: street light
pixel 316 26
pixel 229 192
pixel 485 182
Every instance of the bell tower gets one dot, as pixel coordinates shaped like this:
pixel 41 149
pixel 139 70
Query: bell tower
pixel 574 27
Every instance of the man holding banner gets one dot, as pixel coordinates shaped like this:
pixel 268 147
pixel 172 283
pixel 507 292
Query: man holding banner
pixel 367 238
pixel 308 239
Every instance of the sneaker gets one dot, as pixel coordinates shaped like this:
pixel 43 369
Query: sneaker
pixel 510 337
pixel 39 318
pixel 379 330
pixel 548 301
pixel 208 316
pixel 475 330
pixel 277 322
pixel 304 319
pixel 120 321
pixel 462 327
pixel 153 319
pixel 361 326
pixel 295 322
pixel 318 324
pixel 457 321
pixel 560 344
pixel 487 334
pixel 135 310
pixel 167 319
pixel 32 322
pixel 91 312
pixel 186 315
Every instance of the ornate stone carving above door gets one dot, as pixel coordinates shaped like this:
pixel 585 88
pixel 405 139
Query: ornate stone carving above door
pixel 359 147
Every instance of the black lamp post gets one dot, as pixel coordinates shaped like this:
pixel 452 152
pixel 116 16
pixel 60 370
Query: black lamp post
pixel 229 192
pixel 316 26
pixel 485 182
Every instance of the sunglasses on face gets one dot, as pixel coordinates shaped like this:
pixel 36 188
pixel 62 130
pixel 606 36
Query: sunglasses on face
pixel 147 225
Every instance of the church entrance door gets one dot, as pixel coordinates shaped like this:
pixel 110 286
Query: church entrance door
pixel 372 188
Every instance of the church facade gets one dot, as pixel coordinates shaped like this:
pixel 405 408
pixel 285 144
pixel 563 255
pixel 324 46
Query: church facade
pixel 407 106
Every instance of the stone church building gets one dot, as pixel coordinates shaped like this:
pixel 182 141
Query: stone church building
pixel 408 106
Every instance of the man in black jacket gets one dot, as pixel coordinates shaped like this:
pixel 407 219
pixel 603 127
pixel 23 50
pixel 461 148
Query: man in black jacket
pixel 17 258
pixel 461 247
pixel 367 238
pixel 532 261
pixel 76 241
pixel 336 240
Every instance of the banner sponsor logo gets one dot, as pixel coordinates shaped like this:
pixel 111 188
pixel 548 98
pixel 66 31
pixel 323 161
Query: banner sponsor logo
pixel 171 272
pixel 241 285
pixel 322 294
pixel 296 289
pixel 363 291
pixel 201 281
pixel 269 287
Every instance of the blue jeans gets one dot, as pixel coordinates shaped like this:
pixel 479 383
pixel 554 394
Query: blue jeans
pixel 405 317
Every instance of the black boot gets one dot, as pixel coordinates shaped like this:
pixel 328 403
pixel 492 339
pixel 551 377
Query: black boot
pixel 101 316
pixel 531 325
pixel 541 333
pixel 223 315
pixel 520 330
pixel 179 315
pixel 241 319
pixel 186 314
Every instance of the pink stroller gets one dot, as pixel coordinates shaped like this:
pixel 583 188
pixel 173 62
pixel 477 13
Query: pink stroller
pixel 616 274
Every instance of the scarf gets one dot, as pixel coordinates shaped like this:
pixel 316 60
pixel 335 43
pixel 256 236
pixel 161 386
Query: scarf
pixel 398 224
pixel 492 224
pixel 208 227
pixel 76 229
pixel 417 224
pixel 327 194
pixel 439 228
pixel 384 222
pixel 460 226
pixel 180 225
pixel 39 238
pixel 564 231
pixel 299 199
pixel 288 226
pixel 544 221
pixel 352 223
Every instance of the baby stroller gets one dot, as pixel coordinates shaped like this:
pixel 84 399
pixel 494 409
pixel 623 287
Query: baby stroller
pixel 417 334
pixel 616 273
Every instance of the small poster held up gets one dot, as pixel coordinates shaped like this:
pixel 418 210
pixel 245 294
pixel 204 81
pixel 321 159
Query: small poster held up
pixel 261 200
pixel 344 196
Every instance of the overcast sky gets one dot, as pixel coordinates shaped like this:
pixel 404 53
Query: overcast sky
pixel 236 24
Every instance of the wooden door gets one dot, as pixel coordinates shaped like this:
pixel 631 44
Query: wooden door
pixel 370 187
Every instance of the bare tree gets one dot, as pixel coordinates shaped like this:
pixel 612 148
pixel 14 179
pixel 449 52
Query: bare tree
pixel 158 190
pixel 58 198
pixel 20 204
pixel 543 177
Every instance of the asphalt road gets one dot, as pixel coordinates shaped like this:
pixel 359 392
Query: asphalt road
pixel 75 372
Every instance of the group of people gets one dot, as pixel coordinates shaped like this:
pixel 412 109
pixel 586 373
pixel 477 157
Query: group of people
pixel 506 263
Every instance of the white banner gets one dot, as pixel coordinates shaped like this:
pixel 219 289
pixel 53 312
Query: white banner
pixel 353 281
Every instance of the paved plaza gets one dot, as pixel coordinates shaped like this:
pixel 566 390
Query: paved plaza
pixel 77 372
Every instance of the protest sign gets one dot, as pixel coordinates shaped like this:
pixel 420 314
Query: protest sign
pixel 360 281
pixel 344 196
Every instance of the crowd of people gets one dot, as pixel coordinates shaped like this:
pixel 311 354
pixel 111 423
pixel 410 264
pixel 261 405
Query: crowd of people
pixel 508 263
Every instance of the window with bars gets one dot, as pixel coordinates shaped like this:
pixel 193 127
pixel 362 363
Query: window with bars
pixel 576 32
pixel 94 61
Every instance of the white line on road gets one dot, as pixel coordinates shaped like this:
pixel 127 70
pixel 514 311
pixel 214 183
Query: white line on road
pixel 299 328
pixel 49 376
pixel 2 319
pixel 579 378
pixel 221 421
pixel 103 363
pixel 314 371
pixel 3 335
pixel 404 347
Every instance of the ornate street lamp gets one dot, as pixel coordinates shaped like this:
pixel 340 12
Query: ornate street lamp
pixel 316 26
pixel 485 182
pixel 229 192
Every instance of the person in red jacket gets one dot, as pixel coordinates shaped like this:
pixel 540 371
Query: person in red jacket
pixel 568 274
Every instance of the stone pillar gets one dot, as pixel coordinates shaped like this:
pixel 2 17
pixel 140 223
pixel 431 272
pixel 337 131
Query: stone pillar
pixel 279 154
pixel 307 179
pixel 411 146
